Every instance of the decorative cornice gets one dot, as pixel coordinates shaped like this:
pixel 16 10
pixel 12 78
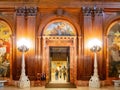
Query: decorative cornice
pixel 59 38
pixel 26 11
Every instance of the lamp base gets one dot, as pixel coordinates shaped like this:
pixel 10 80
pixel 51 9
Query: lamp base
pixel 94 82
pixel 24 82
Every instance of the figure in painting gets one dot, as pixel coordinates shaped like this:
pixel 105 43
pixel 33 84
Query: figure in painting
pixel 64 72
pixel 114 50
pixel 58 29
pixel 56 74
pixel 4 59
pixel 115 53
pixel 60 72
pixel 5 34
pixel 4 67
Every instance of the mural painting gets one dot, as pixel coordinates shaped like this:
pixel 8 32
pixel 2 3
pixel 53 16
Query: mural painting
pixel 5 33
pixel 114 50
pixel 59 28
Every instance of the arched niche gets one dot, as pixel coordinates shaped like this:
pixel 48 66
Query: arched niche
pixel 59 28
pixel 5 49
pixel 113 44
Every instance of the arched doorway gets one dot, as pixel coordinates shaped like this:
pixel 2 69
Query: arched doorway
pixel 114 50
pixel 59 51
pixel 5 49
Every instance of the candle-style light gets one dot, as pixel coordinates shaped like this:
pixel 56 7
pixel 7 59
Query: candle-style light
pixel 95 46
pixel 23 46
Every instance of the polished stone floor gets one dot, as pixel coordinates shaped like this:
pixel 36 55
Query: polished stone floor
pixel 43 88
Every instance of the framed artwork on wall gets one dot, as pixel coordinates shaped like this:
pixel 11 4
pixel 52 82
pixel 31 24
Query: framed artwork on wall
pixel 59 28
pixel 5 33
pixel 114 50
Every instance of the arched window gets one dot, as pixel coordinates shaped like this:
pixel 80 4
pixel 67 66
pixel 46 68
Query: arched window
pixel 59 28
pixel 5 41
pixel 114 50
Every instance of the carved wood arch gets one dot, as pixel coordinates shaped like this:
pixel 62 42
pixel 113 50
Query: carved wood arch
pixel 107 53
pixel 111 22
pixel 51 17
pixel 111 25
pixel 44 42
pixel 40 44
pixel 10 24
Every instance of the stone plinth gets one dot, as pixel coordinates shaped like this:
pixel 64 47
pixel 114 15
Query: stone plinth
pixel 116 83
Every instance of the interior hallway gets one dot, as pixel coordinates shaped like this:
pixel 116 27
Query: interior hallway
pixel 43 88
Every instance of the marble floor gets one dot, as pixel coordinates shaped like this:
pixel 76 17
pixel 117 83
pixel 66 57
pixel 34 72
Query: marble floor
pixel 43 88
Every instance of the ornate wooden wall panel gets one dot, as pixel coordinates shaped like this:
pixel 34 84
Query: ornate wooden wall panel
pixel 19 33
pixel 31 60
pixel 26 22
pixel 98 33
pixel 86 58
pixel 92 26
pixel 79 58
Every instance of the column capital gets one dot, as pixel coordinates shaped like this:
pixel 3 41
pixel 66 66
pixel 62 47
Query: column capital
pixel 92 11
pixel 20 11
pixel 32 11
pixel 26 11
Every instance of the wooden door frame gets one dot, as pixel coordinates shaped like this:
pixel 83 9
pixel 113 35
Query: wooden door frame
pixel 69 41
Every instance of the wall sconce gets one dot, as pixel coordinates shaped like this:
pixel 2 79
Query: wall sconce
pixel 23 47
pixel 95 46
pixel 92 11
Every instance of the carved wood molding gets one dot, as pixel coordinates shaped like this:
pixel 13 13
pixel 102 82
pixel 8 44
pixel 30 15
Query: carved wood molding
pixel 59 37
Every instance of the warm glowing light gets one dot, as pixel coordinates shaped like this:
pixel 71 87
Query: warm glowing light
pixel 94 42
pixel 25 42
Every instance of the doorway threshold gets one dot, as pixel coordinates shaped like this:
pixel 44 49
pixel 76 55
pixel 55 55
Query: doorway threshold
pixel 60 85
pixel 58 81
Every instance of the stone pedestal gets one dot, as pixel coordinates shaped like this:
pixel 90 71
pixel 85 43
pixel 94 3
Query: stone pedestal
pixel 2 82
pixel 116 83
pixel 94 82
pixel 24 82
